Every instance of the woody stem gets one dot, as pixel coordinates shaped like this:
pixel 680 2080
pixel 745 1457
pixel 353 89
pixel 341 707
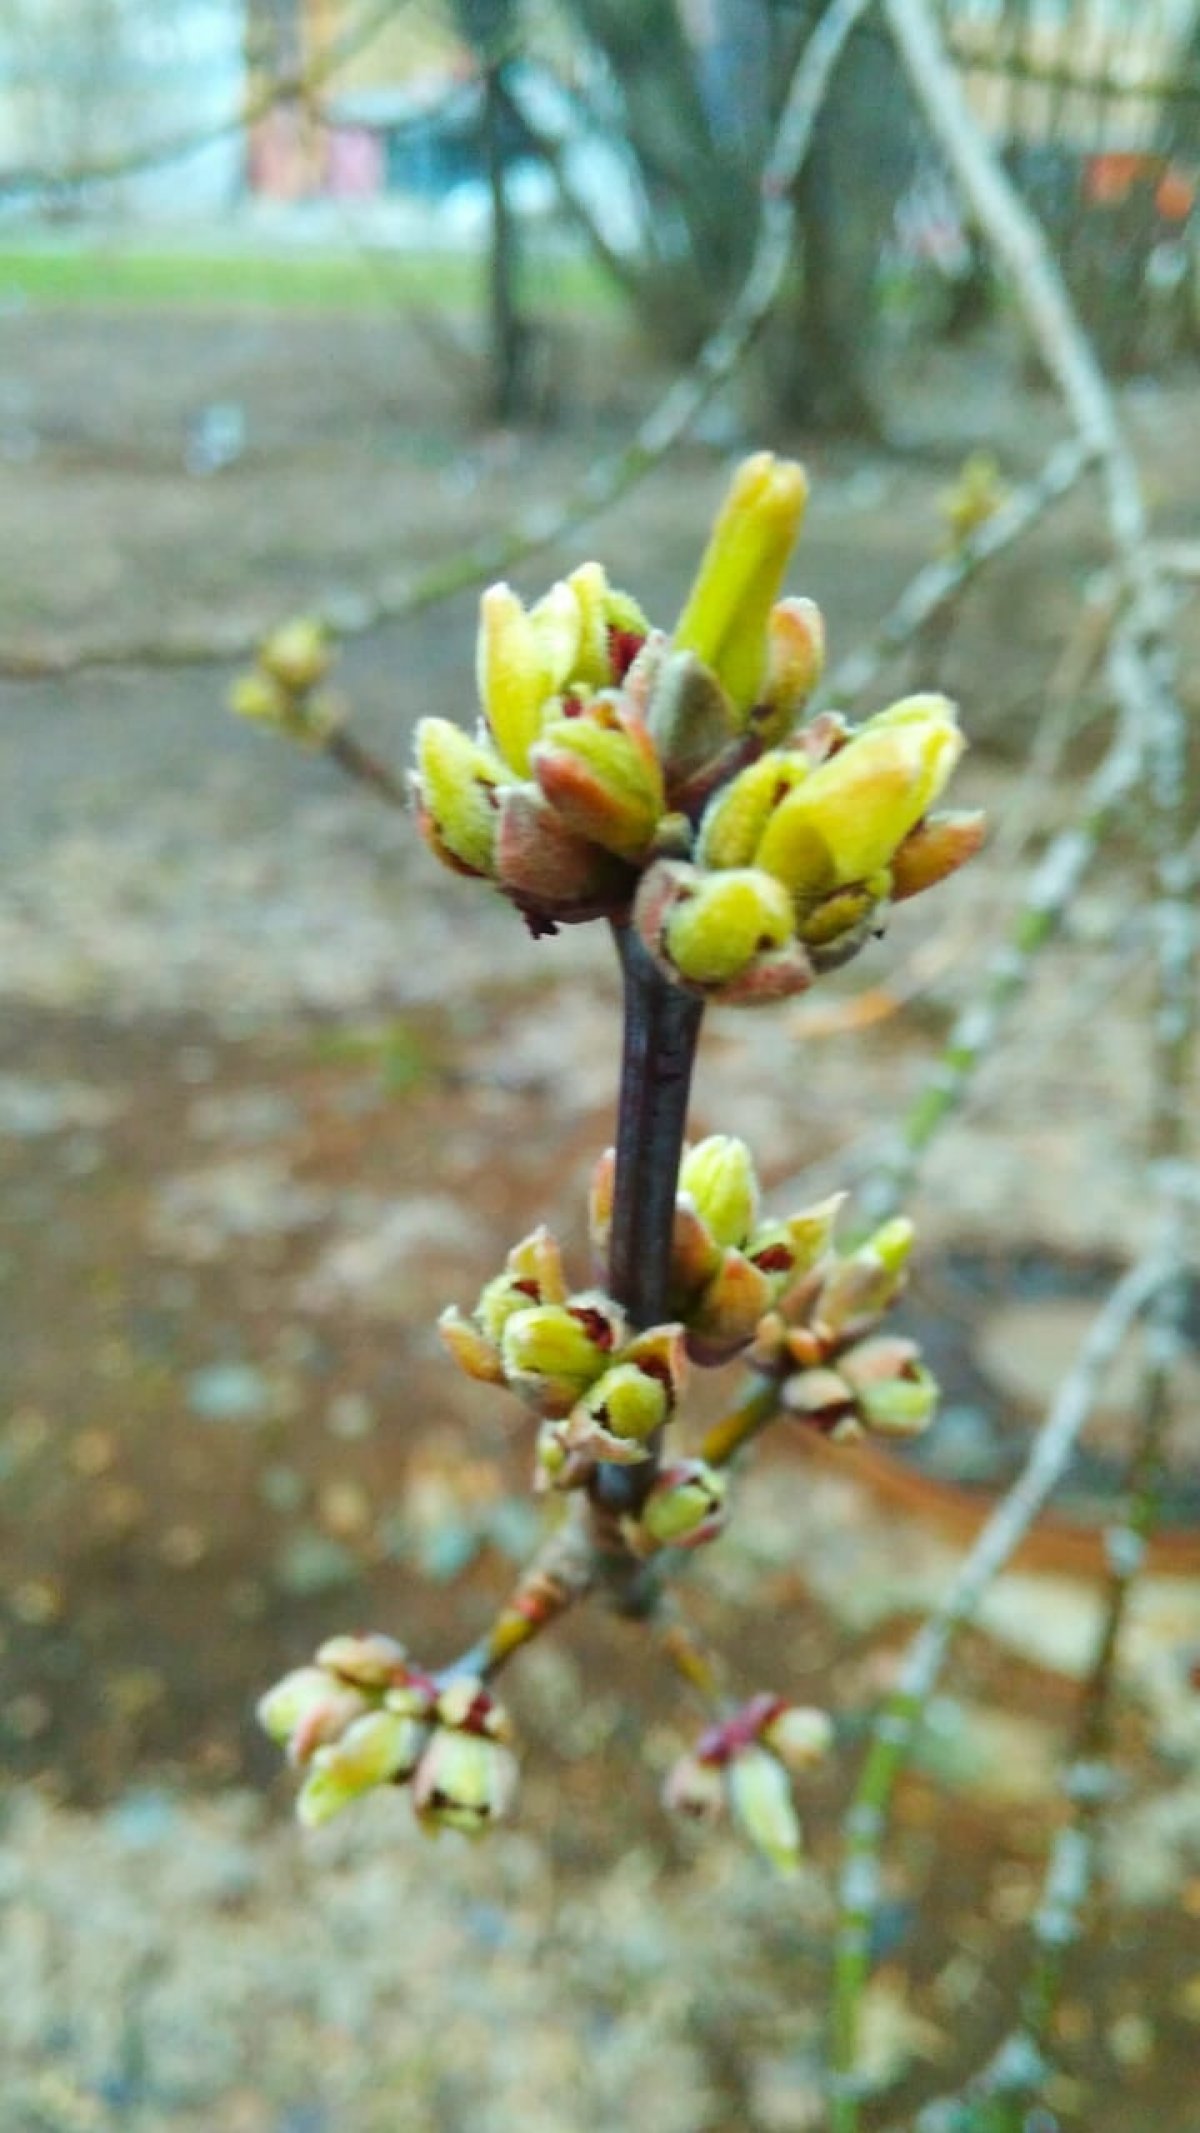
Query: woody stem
pixel 661 1029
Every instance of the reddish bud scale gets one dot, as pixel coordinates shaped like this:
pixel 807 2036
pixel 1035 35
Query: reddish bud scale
pixel 598 1328
pixel 741 1730
pixel 623 648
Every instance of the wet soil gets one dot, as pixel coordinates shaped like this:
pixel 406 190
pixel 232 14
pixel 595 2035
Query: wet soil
pixel 272 1091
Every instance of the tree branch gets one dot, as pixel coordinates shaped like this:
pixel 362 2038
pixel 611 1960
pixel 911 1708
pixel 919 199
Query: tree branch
pixel 898 1723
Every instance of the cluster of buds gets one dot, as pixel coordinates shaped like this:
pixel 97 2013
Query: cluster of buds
pixel 602 737
pixel 797 858
pixel 602 1390
pixel 745 1765
pixel 284 689
pixel 729 1267
pixel 972 499
pixel 837 1373
pixel 618 768
pixel 361 1716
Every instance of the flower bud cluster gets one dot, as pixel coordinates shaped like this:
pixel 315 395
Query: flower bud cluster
pixel 284 688
pixel 602 1390
pixel 745 1766
pixel 617 768
pixel 798 856
pixel 729 1266
pixel 601 737
pixel 360 1716
pixel 838 1374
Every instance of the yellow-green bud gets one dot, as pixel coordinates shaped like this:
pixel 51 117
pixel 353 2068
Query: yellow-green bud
pixel 553 1352
pixel 258 696
pixel 604 779
pixel 901 1406
pixel 309 1703
pixel 464 1782
pixel 733 917
pixel 459 779
pixel 761 1798
pixel 601 608
pixel 627 1402
pixel 378 1749
pixel 725 1317
pixel 865 1283
pixel 800 1735
pixel 846 820
pixel 719 1178
pixel 522 660
pixel 725 619
pixel 370 1661
pixel 686 1505
pixel 789 1249
pixel 298 654
pixel 738 813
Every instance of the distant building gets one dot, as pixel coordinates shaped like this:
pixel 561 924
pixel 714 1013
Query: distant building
pixel 88 81
pixel 395 96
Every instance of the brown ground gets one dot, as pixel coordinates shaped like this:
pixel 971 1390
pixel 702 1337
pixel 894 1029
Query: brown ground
pixel 272 1089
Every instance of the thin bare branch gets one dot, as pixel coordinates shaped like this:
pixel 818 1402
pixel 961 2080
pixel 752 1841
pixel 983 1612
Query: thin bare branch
pixel 921 1666
pixel 939 583
pixel 1052 887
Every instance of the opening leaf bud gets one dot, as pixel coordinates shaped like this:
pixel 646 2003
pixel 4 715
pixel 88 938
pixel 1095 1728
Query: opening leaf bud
pixel 686 1505
pixel 731 919
pixel 795 663
pixel 310 1706
pixel 725 618
pixel 521 661
pixel 845 822
pixel 458 782
pixel 738 813
pixel 601 774
pixel 298 655
pixel 719 1178
pixel 464 1782
pixel 800 1735
pixel 760 1795
pixel 380 1748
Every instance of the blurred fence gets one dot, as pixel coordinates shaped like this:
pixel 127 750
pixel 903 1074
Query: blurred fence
pixel 1092 75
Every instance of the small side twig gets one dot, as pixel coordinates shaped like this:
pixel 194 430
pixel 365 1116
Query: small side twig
pixel 1052 888
pixel 365 768
pixel 896 1728
pixel 938 584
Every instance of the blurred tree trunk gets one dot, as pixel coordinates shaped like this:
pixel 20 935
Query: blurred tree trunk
pixel 700 190
pixel 490 28
pixel 1180 133
pixel 698 114
pixel 863 156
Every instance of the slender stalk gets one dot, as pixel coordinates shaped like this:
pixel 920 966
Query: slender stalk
pixel 359 763
pixel 560 1574
pixel 662 1025
pixel 505 327
pixel 727 1437
pixel 661 1030
pixel 899 1722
